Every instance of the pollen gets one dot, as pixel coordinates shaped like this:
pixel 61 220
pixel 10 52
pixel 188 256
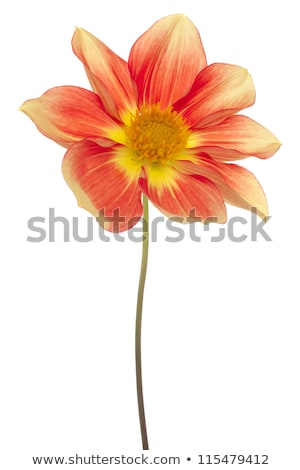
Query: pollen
pixel 156 135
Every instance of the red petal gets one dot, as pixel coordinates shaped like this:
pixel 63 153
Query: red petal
pixel 166 59
pixel 219 91
pixel 237 185
pixel 236 134
pixel 105 183
pixel 68 114
pixel 186 197
pixel 107 72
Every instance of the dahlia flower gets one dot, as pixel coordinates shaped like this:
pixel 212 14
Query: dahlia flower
pixel 164 124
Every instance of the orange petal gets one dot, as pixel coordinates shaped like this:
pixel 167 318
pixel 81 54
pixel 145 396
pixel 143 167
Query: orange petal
pixel 237 185
pixel 182 196
pixel 166 59
pixel 68 114
pixel 219 91
pixel 107 72
pixel 106 98
pixel 238 134
pixel 105 183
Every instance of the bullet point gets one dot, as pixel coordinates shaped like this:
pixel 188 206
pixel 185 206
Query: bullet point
pixel 189 459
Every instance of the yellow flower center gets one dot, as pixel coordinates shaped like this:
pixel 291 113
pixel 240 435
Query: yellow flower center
pixel 156 135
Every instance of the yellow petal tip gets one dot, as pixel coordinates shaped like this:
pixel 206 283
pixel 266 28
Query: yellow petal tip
pixel 24 107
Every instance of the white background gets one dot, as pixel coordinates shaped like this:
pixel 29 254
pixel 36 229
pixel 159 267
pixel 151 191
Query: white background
pixel 221 320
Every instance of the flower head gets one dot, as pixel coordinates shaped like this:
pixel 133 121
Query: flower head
pixel 164 124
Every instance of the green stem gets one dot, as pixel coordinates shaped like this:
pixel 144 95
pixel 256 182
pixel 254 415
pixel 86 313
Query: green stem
pixel 138 326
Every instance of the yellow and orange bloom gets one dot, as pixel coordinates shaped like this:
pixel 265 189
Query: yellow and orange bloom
pixel 164 124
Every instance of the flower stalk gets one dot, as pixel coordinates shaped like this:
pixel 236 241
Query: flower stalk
pixel 138 326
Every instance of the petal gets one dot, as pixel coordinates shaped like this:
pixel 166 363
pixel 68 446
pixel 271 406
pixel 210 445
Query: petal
pixel 166 59
pixel 188 198
pixel 219 91
pixel 108 73
pixel 68 114
pixel 237 185
pixel 238 134
pixel 105 183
